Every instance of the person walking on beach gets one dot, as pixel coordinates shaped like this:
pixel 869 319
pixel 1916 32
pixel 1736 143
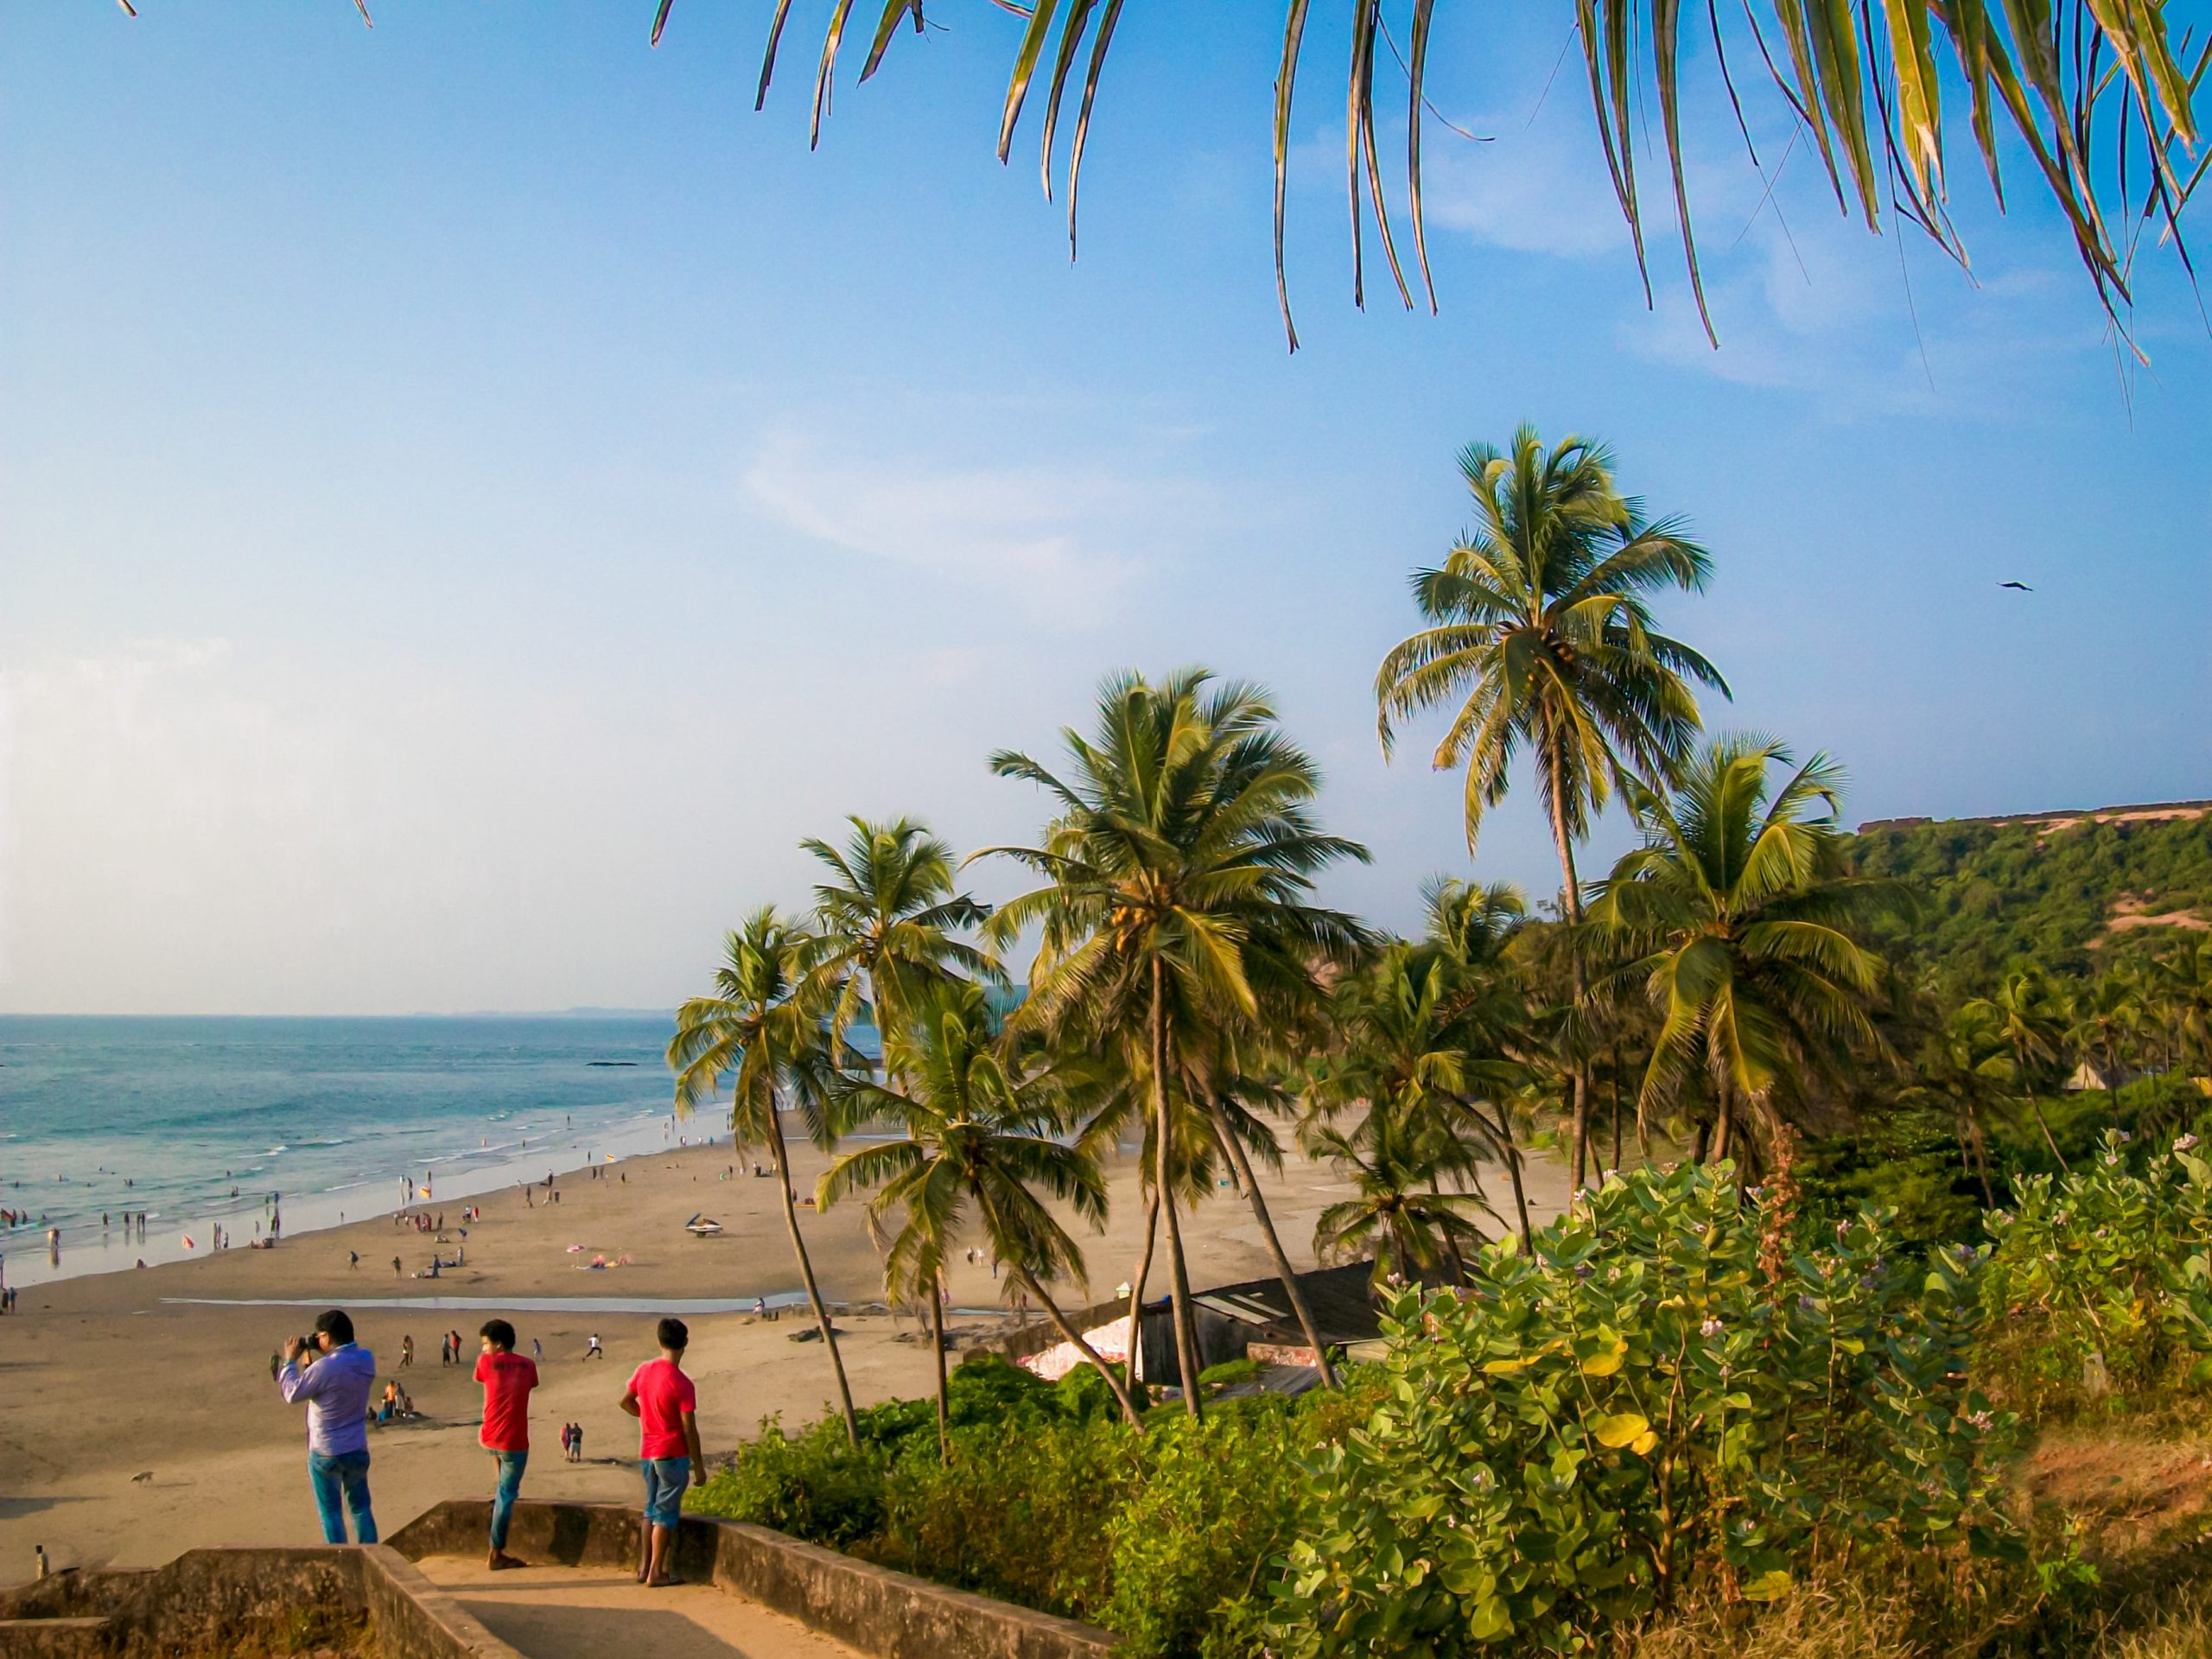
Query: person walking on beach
pixel 507 1378
pixel 336 1388
pixel 591 1350
pixel 406 1352
pixel 665 1405
pixel 575 1442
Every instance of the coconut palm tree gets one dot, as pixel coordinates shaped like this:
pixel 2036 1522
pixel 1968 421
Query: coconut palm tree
pixel 1968 1064
pixel 985 1121
pixel 1741 920
pixel 1415 1229
pixel 888 918
pixel 1177 899
pixel 1416 1042
pixel 1471 928
pixel 1873 106
pixel 765 1028
pixel 2034 1014
pixel 2108 1016
pixel 1539 636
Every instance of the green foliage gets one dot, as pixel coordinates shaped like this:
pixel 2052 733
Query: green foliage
pixel 814 1485
pixel 1666 1388
pixel 2102 1278
pixel 1993 893
pixel 1166 1538
pixel 1906 1162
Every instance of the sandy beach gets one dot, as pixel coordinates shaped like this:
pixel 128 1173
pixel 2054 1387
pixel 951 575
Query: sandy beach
pixel 113 1376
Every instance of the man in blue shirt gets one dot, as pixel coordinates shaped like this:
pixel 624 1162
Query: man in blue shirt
pixel 336 1387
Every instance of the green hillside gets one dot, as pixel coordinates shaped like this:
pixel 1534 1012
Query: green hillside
pixel 2051 886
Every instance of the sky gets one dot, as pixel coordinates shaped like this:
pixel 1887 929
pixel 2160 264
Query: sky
pixel 473 494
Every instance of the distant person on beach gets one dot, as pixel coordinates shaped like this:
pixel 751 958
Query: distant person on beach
pixel 507 1378
pixel 353 1258
pixel 397 1272
pixel 665 1405
pixel 406 1352
pixel 536 1352
pixel 591 1350
pixel 336 1388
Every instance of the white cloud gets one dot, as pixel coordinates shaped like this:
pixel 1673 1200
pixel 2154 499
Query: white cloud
pixel 1031 534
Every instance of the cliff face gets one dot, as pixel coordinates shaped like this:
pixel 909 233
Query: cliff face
pixel 2067 889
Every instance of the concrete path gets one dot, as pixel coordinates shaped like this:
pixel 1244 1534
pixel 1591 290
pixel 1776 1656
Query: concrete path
pixel 584 1612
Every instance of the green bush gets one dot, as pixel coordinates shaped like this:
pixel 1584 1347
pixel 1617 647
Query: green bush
pixel 1167 1538
pixel 2102 1278
pixel 812 1484
pixel 1667 1389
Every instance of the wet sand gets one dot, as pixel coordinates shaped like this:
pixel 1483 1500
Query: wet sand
pixel 109 1377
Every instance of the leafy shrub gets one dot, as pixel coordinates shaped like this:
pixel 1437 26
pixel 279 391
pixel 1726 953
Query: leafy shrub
pixel 1667 1388
pixel 812 1484
pixel 1167 1538
pixel 2101 1278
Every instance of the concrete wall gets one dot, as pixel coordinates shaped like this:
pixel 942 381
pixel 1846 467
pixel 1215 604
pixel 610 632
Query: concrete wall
pixel 208 1601
pixel 887 1614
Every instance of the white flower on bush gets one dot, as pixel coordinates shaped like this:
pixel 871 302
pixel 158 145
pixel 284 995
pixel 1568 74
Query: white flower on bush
pixel 2185 1143
pixel 1711 1329
pixel 1981 1419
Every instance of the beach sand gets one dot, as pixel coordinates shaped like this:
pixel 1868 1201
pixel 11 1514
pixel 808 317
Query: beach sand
pixel 111 1377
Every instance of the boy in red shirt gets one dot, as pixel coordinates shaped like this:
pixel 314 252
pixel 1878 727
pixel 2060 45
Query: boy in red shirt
pixel 663 1402
pixel 507 1378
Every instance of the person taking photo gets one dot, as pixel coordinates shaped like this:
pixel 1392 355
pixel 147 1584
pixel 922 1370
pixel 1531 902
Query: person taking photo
pixel 336 1384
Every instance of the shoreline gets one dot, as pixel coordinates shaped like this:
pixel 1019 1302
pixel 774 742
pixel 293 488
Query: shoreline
pixel 164 1374
pixel 26 1263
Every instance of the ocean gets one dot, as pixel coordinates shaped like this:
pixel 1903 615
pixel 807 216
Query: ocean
pixel 233 1121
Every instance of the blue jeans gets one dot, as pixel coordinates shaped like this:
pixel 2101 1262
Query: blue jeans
pixel 665 1478
pixel 512 1463
pixel 345 1471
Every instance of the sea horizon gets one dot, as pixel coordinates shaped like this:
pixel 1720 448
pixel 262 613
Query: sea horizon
pixel 238 1120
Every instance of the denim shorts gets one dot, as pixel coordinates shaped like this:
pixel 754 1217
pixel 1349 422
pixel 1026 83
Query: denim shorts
pixel 664 1482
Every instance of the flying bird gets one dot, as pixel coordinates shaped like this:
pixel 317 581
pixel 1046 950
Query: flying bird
pixel 2022 586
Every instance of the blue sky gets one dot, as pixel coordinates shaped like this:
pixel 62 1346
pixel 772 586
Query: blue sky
pixel 476 494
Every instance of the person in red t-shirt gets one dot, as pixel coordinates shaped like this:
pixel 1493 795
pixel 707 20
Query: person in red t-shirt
pixel 507 1378
pixel 664 1403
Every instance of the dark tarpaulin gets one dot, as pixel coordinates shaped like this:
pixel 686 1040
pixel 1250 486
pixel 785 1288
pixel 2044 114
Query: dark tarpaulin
pixel 1230 1318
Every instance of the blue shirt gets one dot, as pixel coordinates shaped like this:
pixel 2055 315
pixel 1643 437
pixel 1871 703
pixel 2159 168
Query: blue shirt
pixel 336 1388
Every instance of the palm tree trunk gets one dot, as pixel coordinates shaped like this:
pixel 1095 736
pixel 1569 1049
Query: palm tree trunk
pixel 1452 1256
pixel 2043 1123
pixel 1136 1285
pixel 1027 1280
pixel 1502 1133
pixel 1615 1087
pixel 806 1274
pixel 1571 900
pixel 1973 1153
pixel 1723 1120
pixel 1179 1282
pixel 943 1406
pixel 1283 1270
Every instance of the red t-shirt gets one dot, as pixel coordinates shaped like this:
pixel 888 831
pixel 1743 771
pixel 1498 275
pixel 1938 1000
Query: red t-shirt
pixel 664 1394
pixel 507 1380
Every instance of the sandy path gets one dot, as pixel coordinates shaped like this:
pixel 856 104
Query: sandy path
pixel 106 1377
pixel 557 1612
